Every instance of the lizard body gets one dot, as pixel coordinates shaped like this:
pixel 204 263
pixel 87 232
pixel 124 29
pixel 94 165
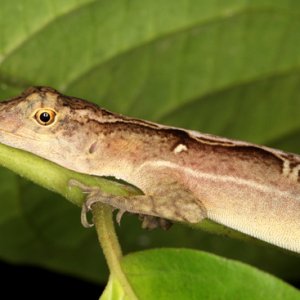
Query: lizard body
pixel 185 175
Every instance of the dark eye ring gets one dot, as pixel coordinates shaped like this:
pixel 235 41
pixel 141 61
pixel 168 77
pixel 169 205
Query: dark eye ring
pixel 45 116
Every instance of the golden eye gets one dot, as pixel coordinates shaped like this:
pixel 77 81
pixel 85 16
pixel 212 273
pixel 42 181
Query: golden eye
pixel 45 116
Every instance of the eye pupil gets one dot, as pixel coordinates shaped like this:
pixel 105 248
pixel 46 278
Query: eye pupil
pixel 45 117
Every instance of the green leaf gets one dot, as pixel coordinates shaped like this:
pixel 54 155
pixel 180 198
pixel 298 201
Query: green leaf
pixel 187 274
pixel 223 67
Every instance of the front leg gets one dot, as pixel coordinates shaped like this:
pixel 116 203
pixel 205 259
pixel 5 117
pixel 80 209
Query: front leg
pixel 167 199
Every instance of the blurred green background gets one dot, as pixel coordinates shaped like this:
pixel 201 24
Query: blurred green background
pixel 229 68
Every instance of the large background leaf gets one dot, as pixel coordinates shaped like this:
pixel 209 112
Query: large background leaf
pixel 224 67
pixel 185 274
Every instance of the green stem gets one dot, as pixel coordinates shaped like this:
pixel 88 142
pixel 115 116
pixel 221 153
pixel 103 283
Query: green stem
pixel 104 225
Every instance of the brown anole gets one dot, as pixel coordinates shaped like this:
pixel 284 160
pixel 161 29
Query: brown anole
pixel 185 176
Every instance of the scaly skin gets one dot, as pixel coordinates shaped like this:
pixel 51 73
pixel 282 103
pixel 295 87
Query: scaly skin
pixel 185 175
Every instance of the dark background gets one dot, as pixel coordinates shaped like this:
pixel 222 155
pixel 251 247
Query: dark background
pixel 37 283
pixel 33 280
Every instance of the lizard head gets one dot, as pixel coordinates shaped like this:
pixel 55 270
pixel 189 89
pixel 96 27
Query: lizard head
pixel 46 123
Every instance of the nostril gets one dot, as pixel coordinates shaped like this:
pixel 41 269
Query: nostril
pixel 93 147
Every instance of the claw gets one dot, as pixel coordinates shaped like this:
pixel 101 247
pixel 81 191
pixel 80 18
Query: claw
pixel 119 216
pixel 84 221
pixel 87 206
pixel 84 188
pixel 76 183
pixel 90 202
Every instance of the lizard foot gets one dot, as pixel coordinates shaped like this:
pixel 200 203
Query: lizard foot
pixel 152 222
pixel 94 195
pixel 167 201
pixel 87 207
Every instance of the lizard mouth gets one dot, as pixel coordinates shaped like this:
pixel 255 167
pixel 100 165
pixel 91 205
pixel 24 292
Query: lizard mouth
pixel 14 134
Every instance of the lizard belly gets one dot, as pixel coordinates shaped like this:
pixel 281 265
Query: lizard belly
pixel 259 211
pixel 262 211
pixel 261 214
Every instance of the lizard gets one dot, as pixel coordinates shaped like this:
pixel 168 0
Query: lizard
pixel 185 176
